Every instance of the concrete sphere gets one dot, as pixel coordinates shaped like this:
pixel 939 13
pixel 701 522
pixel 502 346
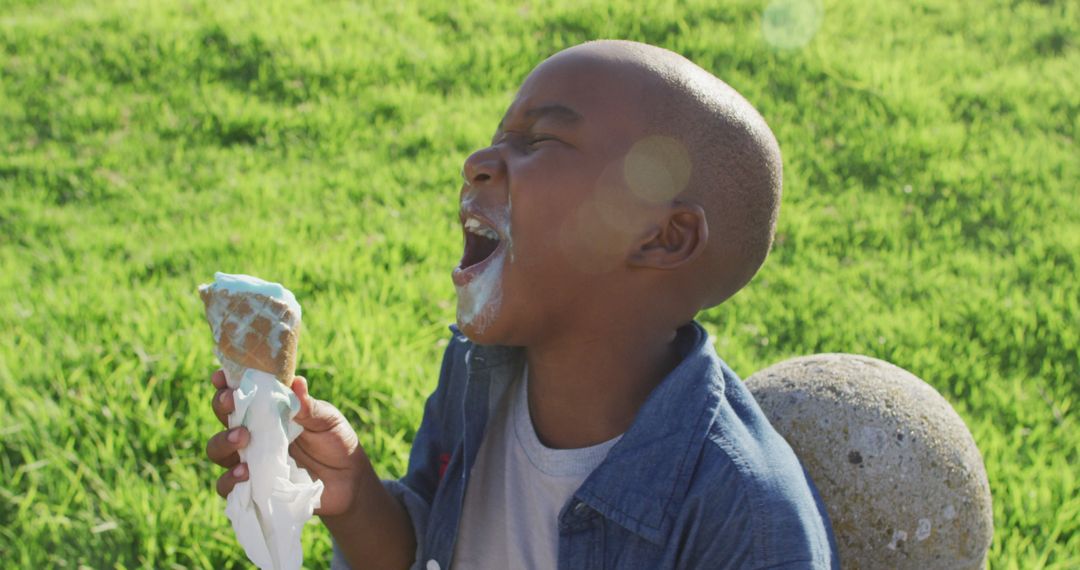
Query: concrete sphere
pixel 897 468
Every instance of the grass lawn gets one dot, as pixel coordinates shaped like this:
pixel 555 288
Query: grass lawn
pixel 931 218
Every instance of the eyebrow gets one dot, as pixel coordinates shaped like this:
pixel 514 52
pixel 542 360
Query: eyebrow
pixel 561 113
pixel 554 111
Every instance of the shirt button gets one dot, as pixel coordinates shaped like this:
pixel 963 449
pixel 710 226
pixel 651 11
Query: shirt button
pixel 580 508
pixel 432 565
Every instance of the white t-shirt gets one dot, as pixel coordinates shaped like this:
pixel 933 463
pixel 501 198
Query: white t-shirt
pixel 517 489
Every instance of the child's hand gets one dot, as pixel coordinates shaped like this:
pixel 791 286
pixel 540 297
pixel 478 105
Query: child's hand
pixel 328 448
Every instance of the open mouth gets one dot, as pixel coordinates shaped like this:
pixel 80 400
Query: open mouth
pixel 481 241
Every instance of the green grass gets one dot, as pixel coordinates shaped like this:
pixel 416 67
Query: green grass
pixel 931 218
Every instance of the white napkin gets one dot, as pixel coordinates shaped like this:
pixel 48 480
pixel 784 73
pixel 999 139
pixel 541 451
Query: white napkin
pixel 268 511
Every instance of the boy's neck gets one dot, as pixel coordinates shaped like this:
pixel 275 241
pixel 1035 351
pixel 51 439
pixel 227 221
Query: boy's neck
pixel 587 389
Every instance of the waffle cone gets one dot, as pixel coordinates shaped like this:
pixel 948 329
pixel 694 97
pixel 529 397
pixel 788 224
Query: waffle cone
pixel 254 330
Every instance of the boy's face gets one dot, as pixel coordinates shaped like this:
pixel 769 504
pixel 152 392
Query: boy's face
pixel 550 189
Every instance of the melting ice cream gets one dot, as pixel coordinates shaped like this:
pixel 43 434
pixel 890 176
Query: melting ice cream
pixel 256 328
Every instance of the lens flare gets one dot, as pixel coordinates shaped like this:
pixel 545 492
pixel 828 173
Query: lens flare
pixel 586 238
pixel 791 24
pixel 657 168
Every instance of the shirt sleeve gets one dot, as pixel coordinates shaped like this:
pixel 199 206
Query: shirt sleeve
pixel 416 490
pixel 757 509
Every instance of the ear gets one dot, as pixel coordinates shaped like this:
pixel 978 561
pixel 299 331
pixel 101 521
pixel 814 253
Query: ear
pixel 679 239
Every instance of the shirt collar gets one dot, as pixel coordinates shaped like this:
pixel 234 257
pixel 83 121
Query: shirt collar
pixel 482 358
pixel 643 481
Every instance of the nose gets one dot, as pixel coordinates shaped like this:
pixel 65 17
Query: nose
pixel 483 166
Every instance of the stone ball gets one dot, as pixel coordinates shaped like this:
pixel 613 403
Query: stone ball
pixel 899 472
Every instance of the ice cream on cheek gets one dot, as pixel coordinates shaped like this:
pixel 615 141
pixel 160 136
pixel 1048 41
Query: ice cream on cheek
pixel 478 278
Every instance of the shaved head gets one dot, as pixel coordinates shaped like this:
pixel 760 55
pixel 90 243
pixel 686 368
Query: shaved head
pixel 715 151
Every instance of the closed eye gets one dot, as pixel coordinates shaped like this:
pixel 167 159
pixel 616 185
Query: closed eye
pixel 538 139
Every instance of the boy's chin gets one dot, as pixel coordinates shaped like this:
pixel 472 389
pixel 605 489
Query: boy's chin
pixel 483 333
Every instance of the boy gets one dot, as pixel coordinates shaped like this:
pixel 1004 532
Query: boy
pixel 582 419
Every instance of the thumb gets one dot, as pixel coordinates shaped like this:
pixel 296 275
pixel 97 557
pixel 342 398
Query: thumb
pixel 314 415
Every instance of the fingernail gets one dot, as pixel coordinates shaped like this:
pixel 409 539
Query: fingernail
pixel 239 470
pixel 234 436
pixel 221 397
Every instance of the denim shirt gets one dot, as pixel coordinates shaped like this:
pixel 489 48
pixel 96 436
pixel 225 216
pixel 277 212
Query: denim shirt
pixel 700 480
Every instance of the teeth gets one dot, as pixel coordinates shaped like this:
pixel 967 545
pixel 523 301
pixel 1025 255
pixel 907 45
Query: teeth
pixel 473 225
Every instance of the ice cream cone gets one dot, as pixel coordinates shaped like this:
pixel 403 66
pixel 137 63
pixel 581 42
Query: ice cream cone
pixel 254 330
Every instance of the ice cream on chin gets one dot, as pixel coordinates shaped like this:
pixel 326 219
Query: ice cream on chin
pixel 478 278
pixel 256 327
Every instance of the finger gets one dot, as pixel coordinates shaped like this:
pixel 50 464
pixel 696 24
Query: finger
pixel 302 457
pixel 300 388
pixel 223 405
pixel 218 379
pixel 307 403
pixel 314 415
pixel 223 446
pixel 226 482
